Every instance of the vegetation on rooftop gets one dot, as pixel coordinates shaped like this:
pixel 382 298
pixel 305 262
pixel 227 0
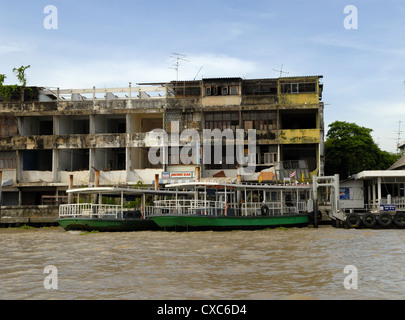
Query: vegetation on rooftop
pixel 6 91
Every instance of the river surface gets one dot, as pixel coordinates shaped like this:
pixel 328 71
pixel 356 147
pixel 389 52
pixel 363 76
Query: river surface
pixel 296 263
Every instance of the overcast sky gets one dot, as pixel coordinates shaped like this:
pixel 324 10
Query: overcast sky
pixel 110 43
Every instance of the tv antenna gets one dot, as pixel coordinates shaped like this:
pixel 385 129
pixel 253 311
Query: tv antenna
pixel 399 134
pixel 281 71
pixel 178 57
pixel 198 73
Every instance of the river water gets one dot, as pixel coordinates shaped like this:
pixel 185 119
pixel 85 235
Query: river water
pixel 296 263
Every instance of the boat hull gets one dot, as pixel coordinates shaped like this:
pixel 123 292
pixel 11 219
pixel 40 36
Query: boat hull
pixel 201 222
pixel 97 224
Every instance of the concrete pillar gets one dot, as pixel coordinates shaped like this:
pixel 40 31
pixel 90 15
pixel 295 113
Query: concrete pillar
pixel 379 190
pixel 70 195
pixel 92 164
pixel 156 185
pixel 92 124
pixel 96 178
pixel 197 174
pixel 1 186
pixel 55 165
pixel 374 194
pixel 19 166
pixel 96 184
pixel 156 181
pixel 238 193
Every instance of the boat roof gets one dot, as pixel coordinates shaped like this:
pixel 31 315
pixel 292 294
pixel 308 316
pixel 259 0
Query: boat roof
pixel 118 190
pixel 256 186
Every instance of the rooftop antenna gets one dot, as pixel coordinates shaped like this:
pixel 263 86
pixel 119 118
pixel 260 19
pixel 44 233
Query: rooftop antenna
pixel 177 57
pixel 198 73
pixel 399 134
pixel 281 71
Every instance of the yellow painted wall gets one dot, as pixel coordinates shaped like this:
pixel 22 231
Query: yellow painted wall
pixel 299 99
pixel 297 136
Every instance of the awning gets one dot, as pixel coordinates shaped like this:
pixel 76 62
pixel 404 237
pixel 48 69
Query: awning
pixel 173 181
pixel 220 180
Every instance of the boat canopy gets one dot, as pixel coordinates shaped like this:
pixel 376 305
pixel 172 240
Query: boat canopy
pixel 116 190
pixel 256 186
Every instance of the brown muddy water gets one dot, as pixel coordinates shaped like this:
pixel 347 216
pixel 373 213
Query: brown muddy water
pixel 297 263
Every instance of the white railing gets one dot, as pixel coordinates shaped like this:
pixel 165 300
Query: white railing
pixel 191 206
pixel 398 201
pixel 202 207
pixel 90 210
pixel 275 208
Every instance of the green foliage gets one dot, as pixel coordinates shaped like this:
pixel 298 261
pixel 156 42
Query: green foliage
pixel 7 90
pixel 85 233
pixel 20 74
pixel 26 227
pixel 350 149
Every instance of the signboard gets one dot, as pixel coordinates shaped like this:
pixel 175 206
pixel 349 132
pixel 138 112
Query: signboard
pixel 177 174
pixel 388 207
pixel 344 193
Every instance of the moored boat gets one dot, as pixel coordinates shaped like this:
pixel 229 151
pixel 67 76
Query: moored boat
pixel 94 215
pixel 227 206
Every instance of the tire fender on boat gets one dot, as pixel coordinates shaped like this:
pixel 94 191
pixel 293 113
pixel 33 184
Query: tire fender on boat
pixel 399 219
pixel 384 219
pixel 353 220
pixel 265 210
pixel 369 219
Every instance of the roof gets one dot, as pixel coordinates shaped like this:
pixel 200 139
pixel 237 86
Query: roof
pixel 369 174
pixel 400 163
pixel 240 186
pixel 114 190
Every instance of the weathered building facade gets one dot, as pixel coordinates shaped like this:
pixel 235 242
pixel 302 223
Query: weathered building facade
pixel 49 135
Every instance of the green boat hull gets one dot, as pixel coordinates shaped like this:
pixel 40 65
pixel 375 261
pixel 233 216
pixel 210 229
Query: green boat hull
pixel 201 222
pixel 97 224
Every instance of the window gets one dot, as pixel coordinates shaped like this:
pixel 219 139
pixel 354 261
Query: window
pixel 221 90
pixel 233 90
pixel 298 88
pixel 8 126
pixel 260 120
pixel 7 160
pixel 222 120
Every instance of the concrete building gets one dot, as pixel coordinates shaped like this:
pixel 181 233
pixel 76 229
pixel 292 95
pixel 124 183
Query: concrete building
pixel 48 135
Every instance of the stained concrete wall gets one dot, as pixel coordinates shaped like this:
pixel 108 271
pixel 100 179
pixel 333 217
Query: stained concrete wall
pixel 28 215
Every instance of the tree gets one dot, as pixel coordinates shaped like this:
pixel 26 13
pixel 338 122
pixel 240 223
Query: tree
pixel 350 149
pixel 6 91
pixel 20 74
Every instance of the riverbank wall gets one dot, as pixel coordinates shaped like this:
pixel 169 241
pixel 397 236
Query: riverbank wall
pixel 14 216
